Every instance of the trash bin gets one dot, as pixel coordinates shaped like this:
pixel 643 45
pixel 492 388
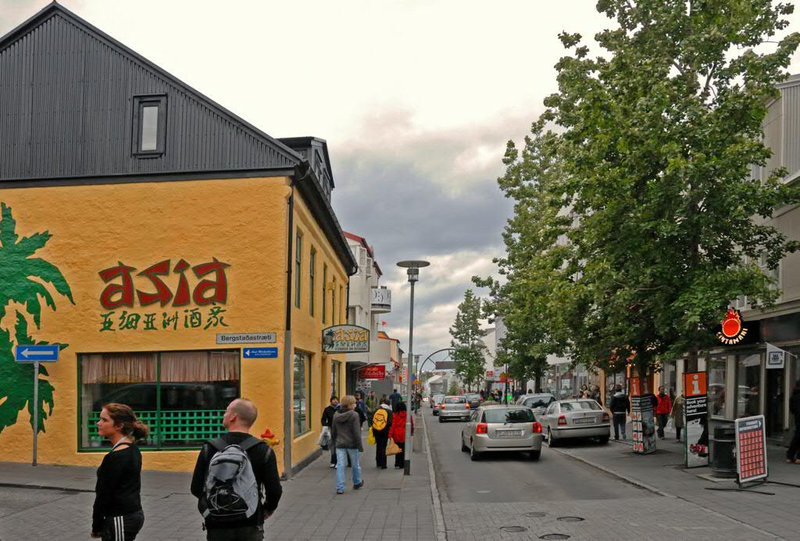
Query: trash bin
pixel 723 445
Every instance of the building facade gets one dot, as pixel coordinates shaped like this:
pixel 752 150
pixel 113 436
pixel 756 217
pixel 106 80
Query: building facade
pixel 174 252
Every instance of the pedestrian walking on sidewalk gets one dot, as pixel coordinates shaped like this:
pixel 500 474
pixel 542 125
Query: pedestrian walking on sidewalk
pixel 394 399
pixel 372 404
pixel 793 453
pixel 677 415
pixel 117 514
pixel 236 479
pixel 346 432
pixel 398 433
pixel 361 409
pixel 381 425
pixel 620 406
pixel 327 420
pixel 663 409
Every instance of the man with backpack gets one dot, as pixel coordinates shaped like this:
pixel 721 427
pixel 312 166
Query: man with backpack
pixel 381 423
pixel 231 474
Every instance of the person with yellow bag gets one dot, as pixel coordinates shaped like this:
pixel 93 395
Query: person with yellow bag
pixel 381 424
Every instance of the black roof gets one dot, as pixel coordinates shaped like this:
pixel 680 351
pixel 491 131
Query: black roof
pixel 67 94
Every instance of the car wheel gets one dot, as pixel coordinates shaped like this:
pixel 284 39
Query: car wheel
pixel 464 448
pixel 534 455
pixel 603 440
pixel 551 441
pixel 473 454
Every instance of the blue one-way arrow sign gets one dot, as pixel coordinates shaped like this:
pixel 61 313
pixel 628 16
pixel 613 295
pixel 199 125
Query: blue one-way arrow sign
pixel 260 353
pixel 42 354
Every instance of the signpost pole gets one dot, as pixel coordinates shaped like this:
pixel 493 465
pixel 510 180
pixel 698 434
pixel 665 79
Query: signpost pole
pixel 35 408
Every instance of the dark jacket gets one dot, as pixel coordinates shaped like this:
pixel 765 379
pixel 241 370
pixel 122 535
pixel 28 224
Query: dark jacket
pixel 620 403
pixel 794 407
pixel 327 415
pixel 265 469
pixel 346 430
pixel 119 482
pixel 395 399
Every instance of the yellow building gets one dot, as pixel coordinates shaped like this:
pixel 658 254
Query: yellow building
pixel 179 256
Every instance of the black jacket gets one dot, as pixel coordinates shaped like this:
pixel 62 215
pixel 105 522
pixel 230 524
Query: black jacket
pixel 619 403
pixel 119 482
pixel 327 415
pixel 794 407
pixel 265 468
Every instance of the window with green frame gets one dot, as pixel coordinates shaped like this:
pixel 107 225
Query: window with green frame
pixel 301 395
pixel 180 395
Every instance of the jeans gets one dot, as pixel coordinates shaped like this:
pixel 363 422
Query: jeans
pixel 341 464
pixel 619 425
pixel 662 423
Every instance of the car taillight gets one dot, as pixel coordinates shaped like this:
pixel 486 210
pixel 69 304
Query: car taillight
pixel 482 428
pixel 562 420
pixel 605 417
pixel 466 406
pixel 442 406
pixel 537 427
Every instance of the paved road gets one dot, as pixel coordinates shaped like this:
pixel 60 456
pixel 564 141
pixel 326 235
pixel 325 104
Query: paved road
pixel 558 497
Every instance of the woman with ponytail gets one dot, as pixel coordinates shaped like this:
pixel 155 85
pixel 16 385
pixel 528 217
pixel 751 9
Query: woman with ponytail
pixel 118 511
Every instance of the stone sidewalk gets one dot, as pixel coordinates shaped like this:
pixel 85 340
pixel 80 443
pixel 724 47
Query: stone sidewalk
pixel 54 502
pixel 771 508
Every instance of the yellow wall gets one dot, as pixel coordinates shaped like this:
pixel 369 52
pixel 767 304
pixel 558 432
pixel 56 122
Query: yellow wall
pixel 241 222
pixel 307 329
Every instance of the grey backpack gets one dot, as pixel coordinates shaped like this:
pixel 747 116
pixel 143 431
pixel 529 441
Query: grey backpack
pixel 230 491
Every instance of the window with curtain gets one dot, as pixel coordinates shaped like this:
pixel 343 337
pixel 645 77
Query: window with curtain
pixel 301 407
pixel 180 395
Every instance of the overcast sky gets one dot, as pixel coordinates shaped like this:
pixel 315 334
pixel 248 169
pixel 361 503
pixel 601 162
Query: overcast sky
pixel 416 99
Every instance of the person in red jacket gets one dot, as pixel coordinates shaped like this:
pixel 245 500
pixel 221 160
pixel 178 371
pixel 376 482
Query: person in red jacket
pixel 398 433
pixel 663 409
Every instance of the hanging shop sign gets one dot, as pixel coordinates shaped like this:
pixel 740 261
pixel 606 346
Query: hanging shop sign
pixel 776 357
pixel 345 339
pixel 751 449
pixel 377 371
pixel 151 300
pixel 695 412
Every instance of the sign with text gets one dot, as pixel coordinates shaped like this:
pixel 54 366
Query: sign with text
pixel 751 449
pixel 345 339
pixel 377 371
pixel 695 414
pixel 643 426
pixel 260 353
pixel 246 338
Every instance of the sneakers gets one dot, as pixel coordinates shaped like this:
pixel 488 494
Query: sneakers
pixel 332 466
pixel 339 491
pixel 356 487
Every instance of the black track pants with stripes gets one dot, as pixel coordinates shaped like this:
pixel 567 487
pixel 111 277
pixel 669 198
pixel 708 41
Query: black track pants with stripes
pixel 123 528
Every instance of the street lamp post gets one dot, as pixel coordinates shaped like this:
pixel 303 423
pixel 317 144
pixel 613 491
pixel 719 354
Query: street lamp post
pixel 412 268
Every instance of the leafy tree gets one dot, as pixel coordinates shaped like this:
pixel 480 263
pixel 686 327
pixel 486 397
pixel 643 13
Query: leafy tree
pixel 655 143
pixel 24 279
pixel 467 343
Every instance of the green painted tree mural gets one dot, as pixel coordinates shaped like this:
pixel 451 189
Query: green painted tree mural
pixel 23 283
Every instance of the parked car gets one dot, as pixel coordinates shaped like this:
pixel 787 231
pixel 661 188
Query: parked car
pixel 575 418
pixel 454 407
pixel 502 428
pixel 537 402
pixel 435 401
pixel 474 400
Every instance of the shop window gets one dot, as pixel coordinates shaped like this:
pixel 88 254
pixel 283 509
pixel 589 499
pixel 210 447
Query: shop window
pixel 717 372
pixel 335 368
pixel 312 268
pixel 334 318
pixel 748 386
pixel 149 126
pixel 180 395
pixel 298 268
pixel 301 403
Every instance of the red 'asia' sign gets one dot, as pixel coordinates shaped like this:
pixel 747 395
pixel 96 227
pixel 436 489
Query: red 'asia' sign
pixel 212 289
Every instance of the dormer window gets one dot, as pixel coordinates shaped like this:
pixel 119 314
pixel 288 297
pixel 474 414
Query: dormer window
pixel 149 126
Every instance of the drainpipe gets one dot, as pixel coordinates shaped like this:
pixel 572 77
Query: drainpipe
pixel 302 172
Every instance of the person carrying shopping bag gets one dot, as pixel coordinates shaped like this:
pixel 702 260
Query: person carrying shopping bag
pixel 381 426
pixel 398 433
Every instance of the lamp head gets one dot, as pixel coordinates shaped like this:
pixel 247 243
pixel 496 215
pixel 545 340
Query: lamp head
pixel 412 267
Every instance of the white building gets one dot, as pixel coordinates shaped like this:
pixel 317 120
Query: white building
pixel 367 302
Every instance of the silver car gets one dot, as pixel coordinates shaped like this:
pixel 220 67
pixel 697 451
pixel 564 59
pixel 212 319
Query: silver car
pixel 502 428
pixel 454 407
pixel 537 402
pixel 435 401
pixel 575 418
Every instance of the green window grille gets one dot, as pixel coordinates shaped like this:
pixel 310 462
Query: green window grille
pixel 176 425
